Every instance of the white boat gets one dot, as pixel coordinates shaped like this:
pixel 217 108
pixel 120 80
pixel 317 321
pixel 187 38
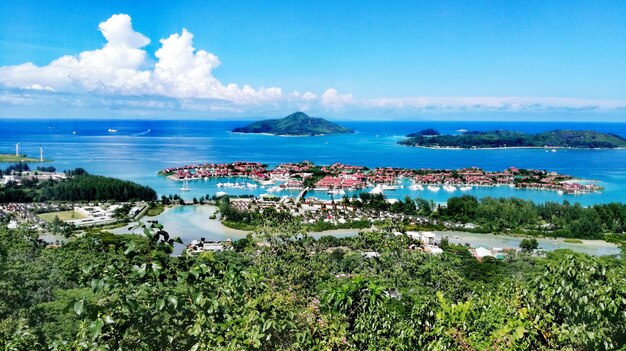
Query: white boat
pixel 185 186
pixel 74 132
pixel 462 130
pixel 553 150
pixel 449 188
pixel 390 187
pixel 267 182
pixel 465 188
pixel 416 187
pixel 560 192
pixel 251 186
pixel 273 189
pixel 378 189
pixel 337 192
pixel 219 185
pixel 112 130
pixel 433 188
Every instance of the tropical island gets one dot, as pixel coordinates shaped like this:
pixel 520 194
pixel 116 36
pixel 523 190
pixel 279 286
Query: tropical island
pixel 581 139
pixel 296 124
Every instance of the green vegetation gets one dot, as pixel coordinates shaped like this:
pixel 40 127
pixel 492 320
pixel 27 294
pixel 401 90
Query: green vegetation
pixel 547 219
pixel 105 291
pixel 503 138
pixel 528 245
pixel 155 210
pixel 298 123
pixel 62 216
pixel 80 186
pixel 573 241
pixel 20 158
pixel 489 215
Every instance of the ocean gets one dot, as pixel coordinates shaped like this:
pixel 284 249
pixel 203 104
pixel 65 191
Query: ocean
pixel 140 148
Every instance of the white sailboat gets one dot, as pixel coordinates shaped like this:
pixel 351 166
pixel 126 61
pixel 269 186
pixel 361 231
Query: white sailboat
pixel 185 186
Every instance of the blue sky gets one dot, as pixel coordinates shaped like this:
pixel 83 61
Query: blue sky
pixel 348 59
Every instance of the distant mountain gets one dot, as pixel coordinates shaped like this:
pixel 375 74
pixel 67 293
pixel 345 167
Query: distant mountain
pixel 298 123
pixel 584 139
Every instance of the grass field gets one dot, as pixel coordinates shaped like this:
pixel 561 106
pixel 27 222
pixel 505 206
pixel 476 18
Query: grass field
pixel 155 210
pixel 20 158
pixel 64 216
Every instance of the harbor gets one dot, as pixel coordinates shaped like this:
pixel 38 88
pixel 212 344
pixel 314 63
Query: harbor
pixel 344 180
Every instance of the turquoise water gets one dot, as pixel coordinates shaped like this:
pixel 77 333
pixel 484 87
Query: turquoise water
pixel 141 148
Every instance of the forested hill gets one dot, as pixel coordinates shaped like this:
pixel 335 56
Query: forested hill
pixel 80 186
pixel 113 292
pixel 298 123
pixel 92 187
pixel 586 139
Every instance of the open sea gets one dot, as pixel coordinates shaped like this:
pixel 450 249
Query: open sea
pixel 141 148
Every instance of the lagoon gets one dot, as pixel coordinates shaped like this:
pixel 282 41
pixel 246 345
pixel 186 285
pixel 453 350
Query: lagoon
pixel 193 222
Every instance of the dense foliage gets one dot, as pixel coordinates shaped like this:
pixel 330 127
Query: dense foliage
pixel 298 123
pixel 550 218
pixel 80 186
pixel 91 187
pixel 294 293
pixel 506 138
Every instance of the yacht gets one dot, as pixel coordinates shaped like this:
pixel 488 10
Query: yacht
pixel 390 187
pixel 416 187
pixel 112 130
pixel 433 188
pixel 449 188
pixel 337 192
pixel 465 188
pixel 185 186
pixel 378 189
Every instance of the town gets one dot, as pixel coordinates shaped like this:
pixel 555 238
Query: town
pixel 337 178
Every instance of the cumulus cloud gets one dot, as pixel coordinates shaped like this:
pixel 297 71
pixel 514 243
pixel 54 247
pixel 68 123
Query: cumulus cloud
pixel 331 99
pixel 121 68
pixel 180 77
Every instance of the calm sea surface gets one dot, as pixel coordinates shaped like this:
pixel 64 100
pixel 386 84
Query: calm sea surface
pixel 141 148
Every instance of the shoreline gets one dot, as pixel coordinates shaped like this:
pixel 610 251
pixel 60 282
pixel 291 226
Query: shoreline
pixel 512 148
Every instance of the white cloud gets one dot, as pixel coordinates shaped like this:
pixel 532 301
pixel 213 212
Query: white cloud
pixel 120 68
pixel 332 100
pixel 180 78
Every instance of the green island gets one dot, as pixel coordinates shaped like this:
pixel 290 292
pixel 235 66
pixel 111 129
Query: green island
pixel 19 158
pixel 582 139
pixel 296 124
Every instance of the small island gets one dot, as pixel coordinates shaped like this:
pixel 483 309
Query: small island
pixel 581 139
pixel 19 158
pixel 296 124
